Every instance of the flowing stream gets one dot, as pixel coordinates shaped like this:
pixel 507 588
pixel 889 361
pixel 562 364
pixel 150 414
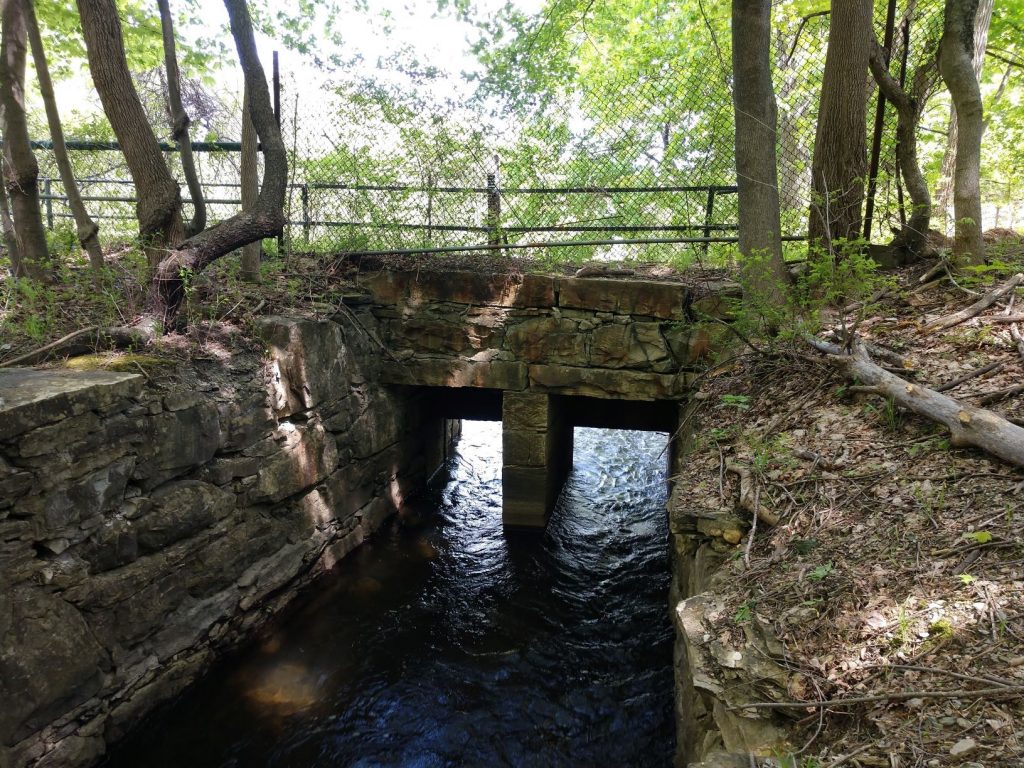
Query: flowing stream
pixel 444 641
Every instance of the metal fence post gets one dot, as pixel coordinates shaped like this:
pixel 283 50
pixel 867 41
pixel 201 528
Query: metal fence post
pixel 709 212
pixel 304 194
pixel 430 208
pixel 493 210
pixel 48 197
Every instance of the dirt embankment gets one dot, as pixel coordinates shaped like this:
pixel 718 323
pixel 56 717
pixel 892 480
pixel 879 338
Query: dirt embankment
pixel 895 575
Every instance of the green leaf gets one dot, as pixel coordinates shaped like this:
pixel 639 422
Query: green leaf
pixel 821 572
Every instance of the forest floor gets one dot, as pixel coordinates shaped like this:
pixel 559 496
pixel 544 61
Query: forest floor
pixel 896 572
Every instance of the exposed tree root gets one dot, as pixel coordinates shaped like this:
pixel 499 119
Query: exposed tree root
pixel 968 425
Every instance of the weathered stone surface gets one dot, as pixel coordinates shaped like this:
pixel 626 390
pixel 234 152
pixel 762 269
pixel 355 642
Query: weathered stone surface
pixel 629 345
pixel 179 510
pixel 113 545
pixel 49 661
pixel 244 422
pixel 457 372
pixel 92 495
pixel 596 382
pixel 31 398
pixel 431 333
pixel 647 298
pixel 306 455
pixel 310 358
pixel 476 288
pixel 526 448
pixel 547 339
pixel 178 441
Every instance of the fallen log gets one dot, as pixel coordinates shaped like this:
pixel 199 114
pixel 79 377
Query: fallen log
pixel 977 307
pixel 968 425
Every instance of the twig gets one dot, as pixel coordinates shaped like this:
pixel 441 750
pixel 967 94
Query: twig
pixel 849 756
pixel 938 267
pixel 896 696
pixel 753 527
pixel 1018 339
pixel 977 307
pixel 949 672
pixel 1000 394
pixel 970 375
pixel 749 498
pixel 38 354
pixel 1006 319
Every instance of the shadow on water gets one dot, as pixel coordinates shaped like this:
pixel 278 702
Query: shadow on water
pixel 444 641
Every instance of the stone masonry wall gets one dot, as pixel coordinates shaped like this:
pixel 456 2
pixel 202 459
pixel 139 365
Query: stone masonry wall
pixel 596 337
pixel 143 529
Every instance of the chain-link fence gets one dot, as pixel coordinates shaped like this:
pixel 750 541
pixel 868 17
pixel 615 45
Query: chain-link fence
pixel 634 163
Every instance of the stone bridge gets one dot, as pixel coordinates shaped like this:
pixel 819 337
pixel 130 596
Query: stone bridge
pixel 543 354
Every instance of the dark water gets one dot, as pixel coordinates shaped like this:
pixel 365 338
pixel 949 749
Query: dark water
pixel 445 642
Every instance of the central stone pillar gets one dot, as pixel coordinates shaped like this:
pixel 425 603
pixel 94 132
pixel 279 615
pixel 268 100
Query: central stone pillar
pixel 536 457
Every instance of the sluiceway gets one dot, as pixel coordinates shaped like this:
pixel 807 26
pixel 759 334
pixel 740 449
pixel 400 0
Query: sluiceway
pixel 444 641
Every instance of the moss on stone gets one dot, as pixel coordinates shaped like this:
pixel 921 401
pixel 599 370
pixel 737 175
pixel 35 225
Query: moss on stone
pixel 128 363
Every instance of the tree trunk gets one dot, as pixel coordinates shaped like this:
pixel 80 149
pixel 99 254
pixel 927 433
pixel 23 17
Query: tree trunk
pixel 158 206
pixel 957 70
pixel 760 236
pixel 982 21
pixel 180 122
pixel 7 223
pixel 839 165
pixel 250 190
pixel 88 230
pixel 21 172
pixel 912 238
pixel 266 219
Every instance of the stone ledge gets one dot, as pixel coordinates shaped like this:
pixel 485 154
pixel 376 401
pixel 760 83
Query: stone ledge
pixel 647 298
pixel 474 288
pixel 31 398
pixel 608 383
pixel 455 372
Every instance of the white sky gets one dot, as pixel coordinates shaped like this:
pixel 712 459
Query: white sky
pixel 438 40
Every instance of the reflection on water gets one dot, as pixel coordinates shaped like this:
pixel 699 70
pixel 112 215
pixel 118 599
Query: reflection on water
pixel 444 641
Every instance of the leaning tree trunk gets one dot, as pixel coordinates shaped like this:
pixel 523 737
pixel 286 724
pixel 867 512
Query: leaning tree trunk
pixel 250 190
pixel 957 69
pixel 760 236
pixel 982 22
pixel 21 173
pixel 88 230
pixel 158 206
pixel 266 219
pixel 912 238
pixel 180 122
pixel 839 164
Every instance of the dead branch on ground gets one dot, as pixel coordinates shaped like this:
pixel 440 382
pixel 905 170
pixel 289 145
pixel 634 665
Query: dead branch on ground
pixel 967 424
pixel 977 307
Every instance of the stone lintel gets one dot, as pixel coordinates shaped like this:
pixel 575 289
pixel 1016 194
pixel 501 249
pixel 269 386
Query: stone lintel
pixel 606 383
pixel 31 398
pixel 474 288
pixel 455 372
pixel 648 298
